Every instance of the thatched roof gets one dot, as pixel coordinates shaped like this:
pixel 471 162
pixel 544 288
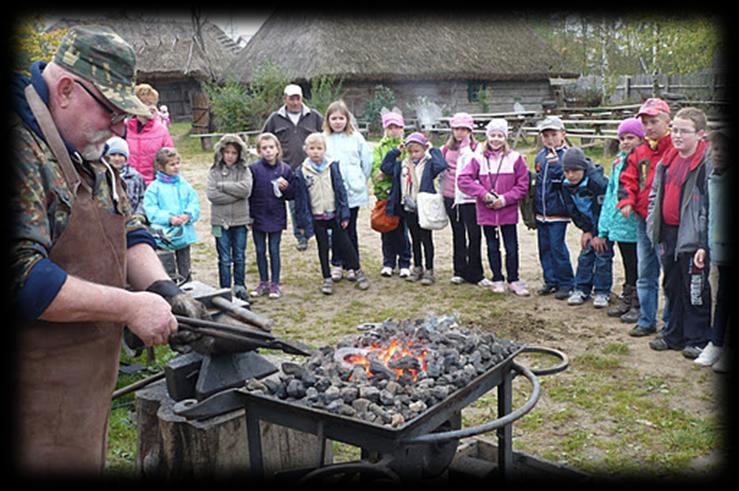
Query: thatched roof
pixel 168 48
pixel 401 47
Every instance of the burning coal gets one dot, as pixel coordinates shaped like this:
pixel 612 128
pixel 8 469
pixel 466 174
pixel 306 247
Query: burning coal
pixel 392 372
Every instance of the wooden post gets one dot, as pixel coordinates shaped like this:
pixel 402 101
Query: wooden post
pixel 201 118
pixel 172 446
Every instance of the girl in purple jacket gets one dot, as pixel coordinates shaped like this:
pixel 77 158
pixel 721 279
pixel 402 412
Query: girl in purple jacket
pixel 498 179
pixel 272 185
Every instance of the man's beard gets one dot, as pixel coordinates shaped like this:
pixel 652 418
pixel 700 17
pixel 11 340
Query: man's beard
pixel 94 150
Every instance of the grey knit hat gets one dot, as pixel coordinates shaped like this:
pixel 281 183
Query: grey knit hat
pixel 575 159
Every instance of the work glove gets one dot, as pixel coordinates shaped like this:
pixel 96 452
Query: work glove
pixel 182 304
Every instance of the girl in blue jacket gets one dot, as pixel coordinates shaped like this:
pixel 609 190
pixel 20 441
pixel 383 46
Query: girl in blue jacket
pixel 172 208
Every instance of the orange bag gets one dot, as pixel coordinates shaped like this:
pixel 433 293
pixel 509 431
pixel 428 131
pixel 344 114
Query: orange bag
pixel 380 221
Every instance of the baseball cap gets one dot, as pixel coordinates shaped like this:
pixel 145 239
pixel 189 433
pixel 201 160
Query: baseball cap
pixel 102 57
pixel 293 89
pixel 392 118
pixel 652 107
pixel 462 120
pixel 550 123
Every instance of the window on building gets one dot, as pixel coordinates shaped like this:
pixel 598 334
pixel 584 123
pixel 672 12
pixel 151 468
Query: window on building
pixel 473 89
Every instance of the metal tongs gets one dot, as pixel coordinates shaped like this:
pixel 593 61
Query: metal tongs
pixel 250 338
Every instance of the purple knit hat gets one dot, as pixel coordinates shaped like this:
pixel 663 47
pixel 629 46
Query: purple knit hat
pixel 633 126
pixel 417 137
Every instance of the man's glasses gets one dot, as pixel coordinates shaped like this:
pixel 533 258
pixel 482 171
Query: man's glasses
pixel 116 117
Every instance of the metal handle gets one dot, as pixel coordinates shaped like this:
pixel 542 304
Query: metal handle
pixel 492 425
pixel 547 351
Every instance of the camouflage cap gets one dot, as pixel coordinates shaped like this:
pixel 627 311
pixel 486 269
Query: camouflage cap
pixel 101 56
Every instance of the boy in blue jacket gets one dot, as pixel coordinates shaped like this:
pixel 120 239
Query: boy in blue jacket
pixel 551 212
pixel 584 190
pixel 321 204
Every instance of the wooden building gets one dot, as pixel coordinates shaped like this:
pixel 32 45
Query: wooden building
pixel 446 59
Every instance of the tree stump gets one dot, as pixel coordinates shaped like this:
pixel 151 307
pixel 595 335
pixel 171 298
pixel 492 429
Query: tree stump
pixel 171 446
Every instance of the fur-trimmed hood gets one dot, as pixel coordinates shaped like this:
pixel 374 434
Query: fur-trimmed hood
pixel 230 138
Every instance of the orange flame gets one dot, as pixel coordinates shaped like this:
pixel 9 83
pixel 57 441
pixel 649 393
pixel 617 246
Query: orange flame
pixel 394 352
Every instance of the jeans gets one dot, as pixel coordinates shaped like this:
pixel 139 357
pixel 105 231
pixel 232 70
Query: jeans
pixel 260 244
pixel 647 282
pixel 231 247
pixel 396 247
pixel 554 255
pixel 510 241
pixel 466 239
pixel 595 270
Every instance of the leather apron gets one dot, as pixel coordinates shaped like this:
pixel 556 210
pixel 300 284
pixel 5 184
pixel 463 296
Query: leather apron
pixel 68 371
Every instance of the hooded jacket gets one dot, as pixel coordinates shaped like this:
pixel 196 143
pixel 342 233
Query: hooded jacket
pixel 692 233
pixel 506 175
pixel 229 188
pixel 612 224
pixel 165 197
pixel 267 210
pixel 584 200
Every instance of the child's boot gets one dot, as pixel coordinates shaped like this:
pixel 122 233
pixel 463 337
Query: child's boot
pixel 327 287
pixel 428 277
pixel 624 302
pixel 416 274
pixel 632 315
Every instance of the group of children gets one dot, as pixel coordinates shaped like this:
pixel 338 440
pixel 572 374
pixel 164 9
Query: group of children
pixel 654 206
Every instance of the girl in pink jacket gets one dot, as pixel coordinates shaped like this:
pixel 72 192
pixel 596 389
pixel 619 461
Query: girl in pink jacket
pixel 498 180
pixel 145 137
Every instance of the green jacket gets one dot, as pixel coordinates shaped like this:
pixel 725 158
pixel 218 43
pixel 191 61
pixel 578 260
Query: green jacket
pixel 382 187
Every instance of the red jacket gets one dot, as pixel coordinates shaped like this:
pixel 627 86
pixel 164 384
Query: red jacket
pixel 638 174
pixel 143 146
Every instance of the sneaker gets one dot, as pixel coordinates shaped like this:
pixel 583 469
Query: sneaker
pixel 498 287
pixel 362 282
pixel 659 344
pixel 274 291
pixel 692 352
pixel 485 283
pixel 386 271
pixel 709 355
pixel 631 316
pixel 519 288
pixel 261 289
pixel 641 331
pixel 457 280
pixel 428 277
pixel 327 287
pixel 405 272
pixel 563 294
pixel 351 275
pixel 337 273
pixel 546 289
pixel 577 298
pixel 415 274
pixel 601 300
pixel 302 244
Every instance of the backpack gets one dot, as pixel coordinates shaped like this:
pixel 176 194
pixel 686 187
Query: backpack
pixel 527 205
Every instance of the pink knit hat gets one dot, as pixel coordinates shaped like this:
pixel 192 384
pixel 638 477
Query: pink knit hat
pixel 633 126
pixel 392 118
pixel 462 120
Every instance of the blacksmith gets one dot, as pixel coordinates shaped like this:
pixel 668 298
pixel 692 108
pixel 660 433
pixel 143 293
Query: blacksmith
pixel 74 249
